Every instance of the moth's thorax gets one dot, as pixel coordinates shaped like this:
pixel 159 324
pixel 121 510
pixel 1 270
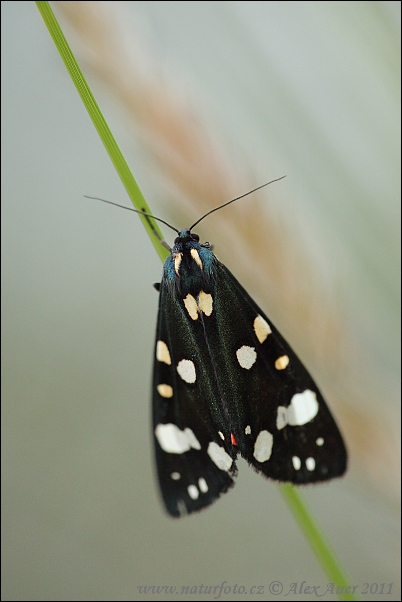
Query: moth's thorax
pixel 189 267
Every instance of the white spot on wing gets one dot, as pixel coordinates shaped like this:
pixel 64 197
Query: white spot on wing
pixel 221 435
pixel 191 305
pixel 165 390
pixel 263 446
pixel 177 261
pixel 206 303
pixel 246 356
pixel 296 462
pixel 281 362
pixel 247 430
pixel 320 441
pixel 195 255
pixel 302 408
pixel 176 476
pixel 219 457
pixel 186 370
pixel 192 439
pixel 162 353
pixel 202 484
pixel 193 492
pixel 175 441
pixel 310 464
pixel 281 418
pixel 261 328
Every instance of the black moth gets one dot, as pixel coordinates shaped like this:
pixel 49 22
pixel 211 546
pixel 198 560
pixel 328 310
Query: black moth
pixel 226 383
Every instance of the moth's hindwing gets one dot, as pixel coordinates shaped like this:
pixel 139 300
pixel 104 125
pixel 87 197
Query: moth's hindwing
pixel 226 382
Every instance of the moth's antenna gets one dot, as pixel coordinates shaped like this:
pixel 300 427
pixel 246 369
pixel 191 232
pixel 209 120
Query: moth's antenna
pixel 236 199
pixel 158 219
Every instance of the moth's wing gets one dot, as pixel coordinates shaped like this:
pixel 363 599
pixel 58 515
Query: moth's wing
pixel 279 419
pixel 194 465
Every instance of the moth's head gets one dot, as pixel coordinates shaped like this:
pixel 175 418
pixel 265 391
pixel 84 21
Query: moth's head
pixel 186 236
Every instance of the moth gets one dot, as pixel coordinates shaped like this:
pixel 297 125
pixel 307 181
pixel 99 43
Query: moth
pixel 225 382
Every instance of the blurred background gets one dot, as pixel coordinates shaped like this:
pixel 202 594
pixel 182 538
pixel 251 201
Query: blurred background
pixel 207 100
